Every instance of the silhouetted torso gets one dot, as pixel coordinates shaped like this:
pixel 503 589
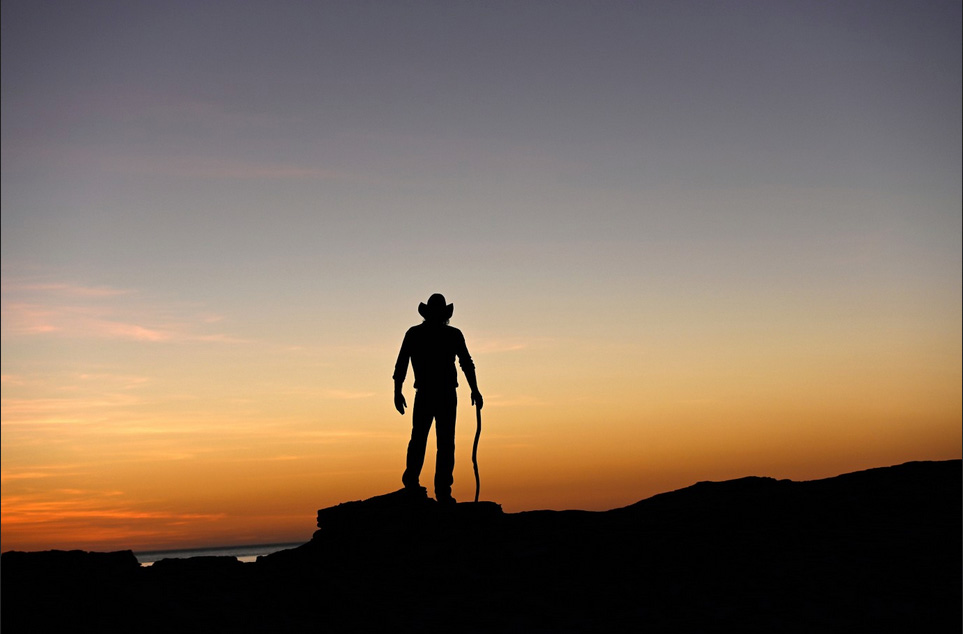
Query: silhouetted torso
pixel 432 348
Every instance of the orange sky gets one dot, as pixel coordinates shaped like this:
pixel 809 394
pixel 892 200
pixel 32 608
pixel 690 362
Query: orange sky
pixel 208 442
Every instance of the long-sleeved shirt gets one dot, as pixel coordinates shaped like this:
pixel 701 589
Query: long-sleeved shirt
pixel 432 349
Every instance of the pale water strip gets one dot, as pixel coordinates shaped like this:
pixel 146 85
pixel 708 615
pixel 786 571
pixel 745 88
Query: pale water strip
pixel 246 554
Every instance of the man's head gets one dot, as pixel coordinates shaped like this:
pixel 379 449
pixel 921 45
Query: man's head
pixel 436 310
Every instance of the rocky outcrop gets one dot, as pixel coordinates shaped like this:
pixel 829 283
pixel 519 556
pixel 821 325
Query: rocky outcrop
pixel 402 510
pixel 871 551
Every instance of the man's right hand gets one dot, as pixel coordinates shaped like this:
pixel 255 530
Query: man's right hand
pixel 400 403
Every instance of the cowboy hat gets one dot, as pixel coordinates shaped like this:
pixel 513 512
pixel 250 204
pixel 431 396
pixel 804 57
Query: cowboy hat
pixel 436 308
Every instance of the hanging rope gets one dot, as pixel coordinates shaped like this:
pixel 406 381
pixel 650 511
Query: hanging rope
pixel 474 450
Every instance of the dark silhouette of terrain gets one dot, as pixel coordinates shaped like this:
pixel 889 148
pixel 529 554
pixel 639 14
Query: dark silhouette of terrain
pixel 872 551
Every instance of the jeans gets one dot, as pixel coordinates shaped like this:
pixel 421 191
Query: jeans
pixel 441 407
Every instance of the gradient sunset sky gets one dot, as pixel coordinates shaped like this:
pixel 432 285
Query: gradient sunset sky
pixel 685 241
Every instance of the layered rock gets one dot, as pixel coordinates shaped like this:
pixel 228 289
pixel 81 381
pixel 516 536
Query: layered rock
pixel 871 551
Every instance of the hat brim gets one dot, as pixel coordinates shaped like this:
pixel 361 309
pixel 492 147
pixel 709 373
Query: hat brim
pixel 428 312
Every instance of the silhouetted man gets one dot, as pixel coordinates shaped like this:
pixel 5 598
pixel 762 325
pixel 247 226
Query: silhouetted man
pixel 432 347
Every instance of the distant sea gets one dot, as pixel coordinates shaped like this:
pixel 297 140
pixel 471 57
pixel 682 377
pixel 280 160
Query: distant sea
pixel 246 554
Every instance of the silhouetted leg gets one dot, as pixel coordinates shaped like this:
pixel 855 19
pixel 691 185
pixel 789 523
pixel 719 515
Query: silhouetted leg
pixel 421 415
pixel 445 411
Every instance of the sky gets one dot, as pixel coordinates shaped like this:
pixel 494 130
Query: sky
pixel 685 241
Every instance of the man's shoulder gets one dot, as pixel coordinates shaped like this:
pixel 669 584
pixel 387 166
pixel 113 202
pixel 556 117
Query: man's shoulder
pixel 451 331
pixel 418 331
pixel 434 330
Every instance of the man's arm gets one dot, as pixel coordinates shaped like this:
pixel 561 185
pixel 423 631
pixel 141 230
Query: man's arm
pixel 476 397
pixel 400 403
pixel 401 370
pixel 468 367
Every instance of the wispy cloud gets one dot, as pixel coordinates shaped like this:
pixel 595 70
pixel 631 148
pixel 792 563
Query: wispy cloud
pixel 85 518
pixel 102 312
pixel 493 345
pixel 26 475
pixel 57 409
pixel 47 511
pixel 63 471
pixel 345 395
pixel 13 380
pixel 218 338
pixel 119 330
pixel 118 381
pixel 501 400
pixel 24 318
pixel 64 289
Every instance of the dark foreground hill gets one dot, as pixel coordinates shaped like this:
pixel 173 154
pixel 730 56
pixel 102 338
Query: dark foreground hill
pixel 873 551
